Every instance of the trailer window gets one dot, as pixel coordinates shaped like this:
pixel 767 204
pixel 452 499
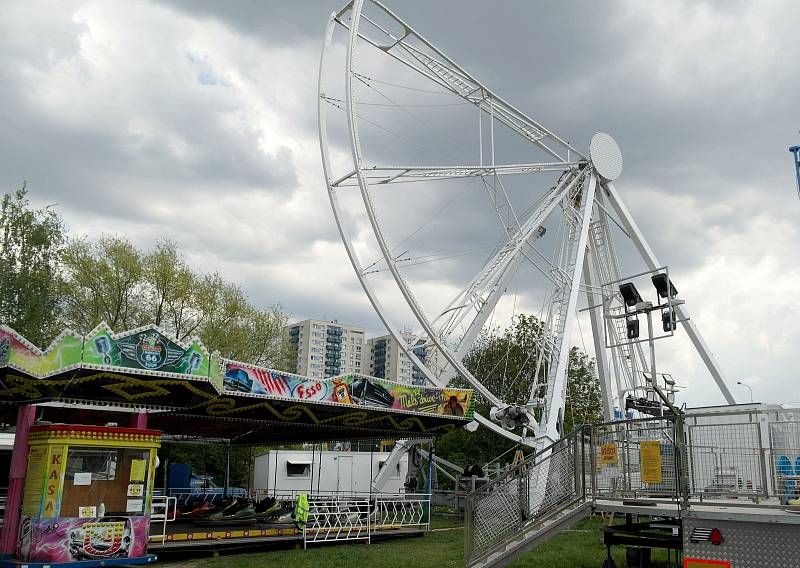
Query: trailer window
pixel 395 474
pixel 298 469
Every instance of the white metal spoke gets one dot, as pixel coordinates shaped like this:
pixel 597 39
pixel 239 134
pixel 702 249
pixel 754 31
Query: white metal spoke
pixel 379 175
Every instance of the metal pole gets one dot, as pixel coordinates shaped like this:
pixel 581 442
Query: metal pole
pixel 652 343
pixel 680 310
pixel 429 481
pixel 469 529
pixel 227 471
pixel 16 479
pixel 749 387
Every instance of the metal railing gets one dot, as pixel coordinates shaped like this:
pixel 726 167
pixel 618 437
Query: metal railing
pixel 784 462
pixel 333 519
pixel 163 510
pixel 337 517
pixel 409 510
pixel 697 457
pixel 333 516
pixel 530 492
pixel 635 458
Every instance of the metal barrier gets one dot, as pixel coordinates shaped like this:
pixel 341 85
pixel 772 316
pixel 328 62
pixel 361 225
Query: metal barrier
pixel 696 457
pixel 785 459
pixel 333 519
pixel 163 510
pixel 727 460
pixel 531 492
pixel 401 511
pixel 620 449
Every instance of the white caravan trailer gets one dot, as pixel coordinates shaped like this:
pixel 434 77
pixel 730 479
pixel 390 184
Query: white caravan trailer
pixel 318 472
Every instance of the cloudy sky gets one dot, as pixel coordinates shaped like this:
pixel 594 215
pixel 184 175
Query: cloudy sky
pixel 196 121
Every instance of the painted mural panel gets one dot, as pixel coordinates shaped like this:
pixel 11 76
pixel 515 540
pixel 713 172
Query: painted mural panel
pixel 147 349
pixel 348 389
pixel 123 358
pixel 71 539
pixel 63 352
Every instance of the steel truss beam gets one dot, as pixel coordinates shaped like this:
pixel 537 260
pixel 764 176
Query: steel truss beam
pixel 414 51
pixel 379 175
pixel 681 312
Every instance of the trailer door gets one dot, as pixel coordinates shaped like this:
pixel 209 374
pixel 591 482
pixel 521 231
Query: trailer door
pixel 345 474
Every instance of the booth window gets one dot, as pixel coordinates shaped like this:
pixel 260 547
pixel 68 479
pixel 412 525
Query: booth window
pixel 101 463
pixel 298 469
pixel 110 479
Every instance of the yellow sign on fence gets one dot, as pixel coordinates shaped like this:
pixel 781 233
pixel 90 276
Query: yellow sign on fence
pixel 650 460
pixel 608 454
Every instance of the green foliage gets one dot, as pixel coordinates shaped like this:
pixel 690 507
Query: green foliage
pixel 506 361
pixel 30 245
pixel 103 283
pixel 110 279
pixel 583 391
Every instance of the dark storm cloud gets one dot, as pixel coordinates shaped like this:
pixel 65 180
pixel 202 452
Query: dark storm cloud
pixel 197 120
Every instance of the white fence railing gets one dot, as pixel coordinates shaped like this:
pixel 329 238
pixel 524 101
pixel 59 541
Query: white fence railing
pixel 337 519
pixel 333 516
pixel 162 511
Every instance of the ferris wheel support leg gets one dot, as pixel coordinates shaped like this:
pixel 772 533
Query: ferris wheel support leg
pixel 601 356
pixel 557 381
pixel 680 310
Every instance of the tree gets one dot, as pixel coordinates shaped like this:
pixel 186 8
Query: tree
pixel 506 361
pixel 31 241
pixel 583 391
pixel 110 280
pixel 104 282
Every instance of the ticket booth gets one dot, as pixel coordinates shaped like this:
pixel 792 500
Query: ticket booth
pixel 87 495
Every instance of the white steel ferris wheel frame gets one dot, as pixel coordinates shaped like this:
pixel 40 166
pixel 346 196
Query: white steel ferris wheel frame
pixel 586 256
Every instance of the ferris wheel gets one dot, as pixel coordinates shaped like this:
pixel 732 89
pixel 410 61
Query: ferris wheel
pixel 458 211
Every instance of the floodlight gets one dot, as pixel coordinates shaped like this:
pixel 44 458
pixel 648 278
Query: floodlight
pixel 668 322
pixel 632 325
pixel 660 282
pixel 630 294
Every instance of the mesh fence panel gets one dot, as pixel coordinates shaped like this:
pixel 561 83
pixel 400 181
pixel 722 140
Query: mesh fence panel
pixel 539 487
pixel 725 459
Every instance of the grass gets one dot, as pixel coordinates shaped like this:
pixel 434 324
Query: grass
pixel 443 547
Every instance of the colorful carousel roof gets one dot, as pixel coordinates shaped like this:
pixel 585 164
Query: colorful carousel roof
pixel 188 391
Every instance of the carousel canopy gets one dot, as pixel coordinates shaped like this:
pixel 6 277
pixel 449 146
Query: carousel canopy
pixel 189 392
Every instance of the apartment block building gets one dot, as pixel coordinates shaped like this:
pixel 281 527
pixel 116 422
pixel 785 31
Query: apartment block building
pixel 325 349
pixel 387 361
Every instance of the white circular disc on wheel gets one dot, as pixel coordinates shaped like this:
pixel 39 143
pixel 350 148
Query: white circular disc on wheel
pixel 606 156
